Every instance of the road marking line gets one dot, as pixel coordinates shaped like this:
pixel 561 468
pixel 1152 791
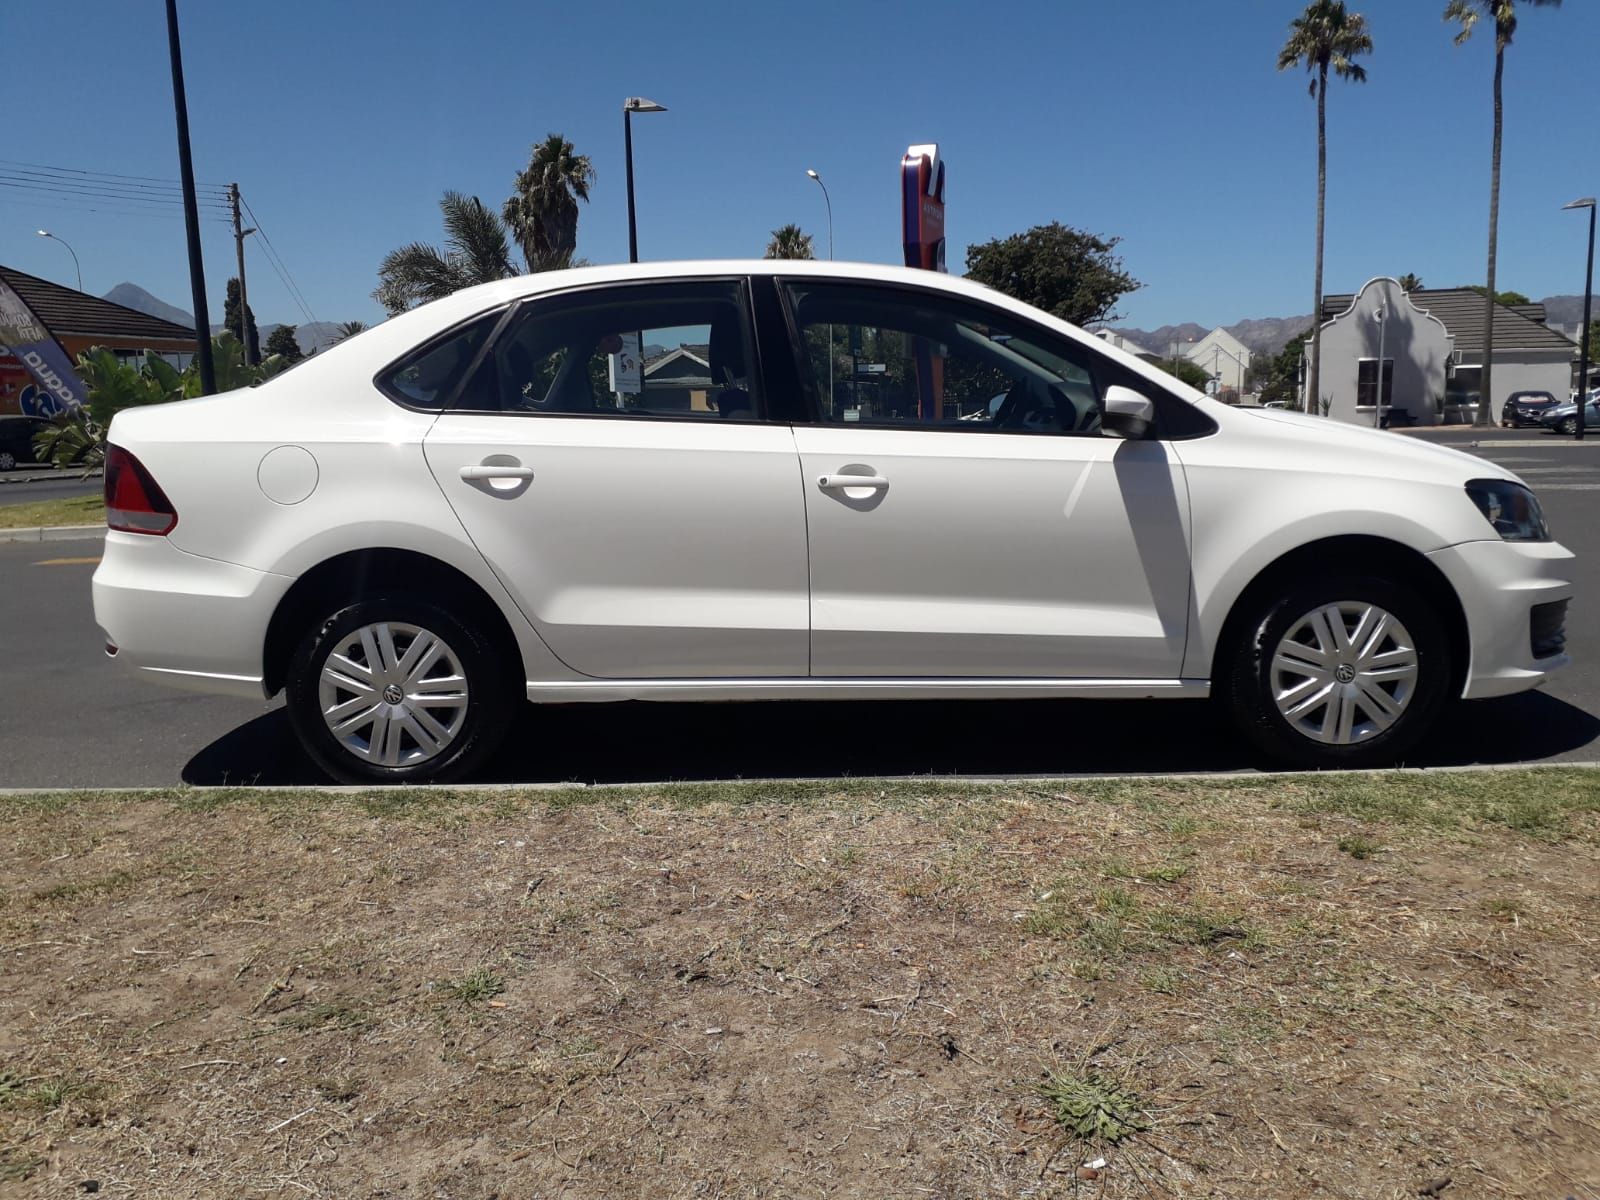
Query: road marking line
pixel 1569 487
pixel 66 562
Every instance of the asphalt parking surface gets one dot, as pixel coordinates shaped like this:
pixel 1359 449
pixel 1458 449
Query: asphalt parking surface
pixel 70 718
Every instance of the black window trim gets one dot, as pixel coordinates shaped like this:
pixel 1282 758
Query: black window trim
pixel 510 313
pixel 1114 373
pixel 381 377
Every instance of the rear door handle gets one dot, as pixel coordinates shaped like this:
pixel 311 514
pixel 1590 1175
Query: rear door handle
pixel 495 472
pixel 829 483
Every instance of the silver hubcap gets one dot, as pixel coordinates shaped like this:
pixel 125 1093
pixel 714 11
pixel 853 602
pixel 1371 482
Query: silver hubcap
pixel 1344 672
pixel 393 694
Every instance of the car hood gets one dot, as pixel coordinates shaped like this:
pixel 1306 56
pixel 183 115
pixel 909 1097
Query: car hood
pixel 1369 451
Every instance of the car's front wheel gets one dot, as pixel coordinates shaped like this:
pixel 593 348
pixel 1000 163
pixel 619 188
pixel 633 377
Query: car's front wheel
pixel 1569 425
pixel 396 689
pixel 1345 672
pixel 8 460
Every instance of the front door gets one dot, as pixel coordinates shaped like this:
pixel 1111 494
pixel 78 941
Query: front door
pixel 967 516
pixel 612 461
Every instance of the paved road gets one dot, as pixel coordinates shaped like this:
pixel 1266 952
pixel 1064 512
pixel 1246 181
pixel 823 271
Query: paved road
pixel 68 717
pixel 31 485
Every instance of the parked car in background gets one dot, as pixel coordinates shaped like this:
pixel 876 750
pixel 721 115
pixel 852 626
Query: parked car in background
pixel 1563 418
pixel 480 502
pixel 1525 409
pixel 16 440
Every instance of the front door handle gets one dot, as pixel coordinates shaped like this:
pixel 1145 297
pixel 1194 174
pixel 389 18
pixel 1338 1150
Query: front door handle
pixel 829 483
pixel 495 471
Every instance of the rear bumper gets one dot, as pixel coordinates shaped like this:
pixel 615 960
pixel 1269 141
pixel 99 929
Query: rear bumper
pixel 180 619
pixel 1499 584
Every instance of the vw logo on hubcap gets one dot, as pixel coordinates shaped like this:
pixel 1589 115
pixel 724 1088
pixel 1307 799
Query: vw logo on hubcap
pixel 1345 673
pixel 392 694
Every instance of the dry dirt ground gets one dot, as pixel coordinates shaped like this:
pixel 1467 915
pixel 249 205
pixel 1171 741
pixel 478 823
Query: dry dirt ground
pixel 1280 987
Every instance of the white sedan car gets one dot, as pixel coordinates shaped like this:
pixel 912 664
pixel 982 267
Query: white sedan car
pixel 780 480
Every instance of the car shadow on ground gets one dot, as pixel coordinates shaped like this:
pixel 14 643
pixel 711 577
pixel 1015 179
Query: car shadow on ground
pixel 633 742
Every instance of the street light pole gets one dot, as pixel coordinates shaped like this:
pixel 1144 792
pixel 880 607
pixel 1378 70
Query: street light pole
pixel 829 201
pixel 1583 334
pixel 1382 318
pixel 45 233
pixel 630 106
pixel 191 210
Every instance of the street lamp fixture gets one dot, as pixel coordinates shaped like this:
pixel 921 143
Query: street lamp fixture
pixel 45 233
pixel 634 104
pixel 1583 334
pixel 829 201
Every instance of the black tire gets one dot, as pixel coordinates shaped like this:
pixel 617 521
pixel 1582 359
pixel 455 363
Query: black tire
pixel 493 690
pixel 1246 683
pixel 8 460
pixel 1570 425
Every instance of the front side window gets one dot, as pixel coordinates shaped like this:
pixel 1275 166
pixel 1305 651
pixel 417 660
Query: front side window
pixel 649 350
pixel 895 357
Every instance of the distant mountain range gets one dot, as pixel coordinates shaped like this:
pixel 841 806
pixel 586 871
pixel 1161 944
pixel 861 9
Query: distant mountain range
pixel 1269 335
pixel 312 336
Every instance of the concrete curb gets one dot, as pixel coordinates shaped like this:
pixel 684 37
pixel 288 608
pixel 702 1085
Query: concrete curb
pixel 54 533
pixel 1158 777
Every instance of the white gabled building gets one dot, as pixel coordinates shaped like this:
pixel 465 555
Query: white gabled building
pixel 1221 356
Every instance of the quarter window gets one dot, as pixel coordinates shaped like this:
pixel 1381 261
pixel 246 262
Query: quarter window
pixel 888 357
pixel 652 350
pixel 428 377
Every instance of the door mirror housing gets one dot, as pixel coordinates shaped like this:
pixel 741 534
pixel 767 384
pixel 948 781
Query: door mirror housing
pixel 1126 413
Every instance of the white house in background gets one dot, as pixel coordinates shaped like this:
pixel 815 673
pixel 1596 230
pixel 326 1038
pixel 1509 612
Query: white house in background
pixel 1433 353
pixel 1221 356
pixel 1113 338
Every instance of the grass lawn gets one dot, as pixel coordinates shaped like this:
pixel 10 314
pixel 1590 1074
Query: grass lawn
pixel 70 510
pixel 1372 986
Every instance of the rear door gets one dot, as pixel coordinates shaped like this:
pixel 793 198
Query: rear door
pixel 612 459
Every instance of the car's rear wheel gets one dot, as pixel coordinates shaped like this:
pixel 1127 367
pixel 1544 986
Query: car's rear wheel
pixel 396 689
pixel 8 460
pixel 1344 672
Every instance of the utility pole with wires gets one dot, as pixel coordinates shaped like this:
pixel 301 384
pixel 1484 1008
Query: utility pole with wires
pixel 239 235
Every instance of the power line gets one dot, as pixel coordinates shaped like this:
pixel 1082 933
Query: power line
pixel 35 185
pixel 104 174
pixel 278 265
pixel 148 189
pixel 55 204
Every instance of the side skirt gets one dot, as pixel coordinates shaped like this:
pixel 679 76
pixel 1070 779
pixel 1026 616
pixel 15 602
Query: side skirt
pixel 683 690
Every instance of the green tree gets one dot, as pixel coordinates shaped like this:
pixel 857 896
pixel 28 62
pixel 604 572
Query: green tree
pixel 1188 372
pixel 1467 14
pixel 1499 297
pixel 230 320
pixel 1410 283
pixel 542 213
pixel 1277 378
pixel 282 342
pixel 476 250
pixel 1325 37
pixel 1068 273
pixel 788 241
pixel 348 329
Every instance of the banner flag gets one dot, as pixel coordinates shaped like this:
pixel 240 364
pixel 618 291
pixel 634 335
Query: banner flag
pixel 28 339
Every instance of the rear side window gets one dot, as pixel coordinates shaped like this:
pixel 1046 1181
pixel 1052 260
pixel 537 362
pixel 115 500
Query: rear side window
pixel 430 376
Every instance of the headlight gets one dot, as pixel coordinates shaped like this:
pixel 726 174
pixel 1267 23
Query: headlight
pixel 1512 509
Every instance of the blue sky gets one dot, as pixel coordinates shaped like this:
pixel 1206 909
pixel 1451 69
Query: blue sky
pixel 1163 122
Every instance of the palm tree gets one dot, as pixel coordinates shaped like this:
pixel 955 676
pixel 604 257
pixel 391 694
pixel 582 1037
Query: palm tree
pixel 789 242
pixel 1324 37
pixel 476 251
pixel 1467 14
pixel 542 213
pixel 1410 283
pixel 348 329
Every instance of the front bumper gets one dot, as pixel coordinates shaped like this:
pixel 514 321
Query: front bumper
pixel 177 618
pixel 1499 584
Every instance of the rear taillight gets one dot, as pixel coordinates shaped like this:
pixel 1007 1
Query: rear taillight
pixel 135 503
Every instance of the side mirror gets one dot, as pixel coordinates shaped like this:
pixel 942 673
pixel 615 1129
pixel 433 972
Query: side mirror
pixel 1126 413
